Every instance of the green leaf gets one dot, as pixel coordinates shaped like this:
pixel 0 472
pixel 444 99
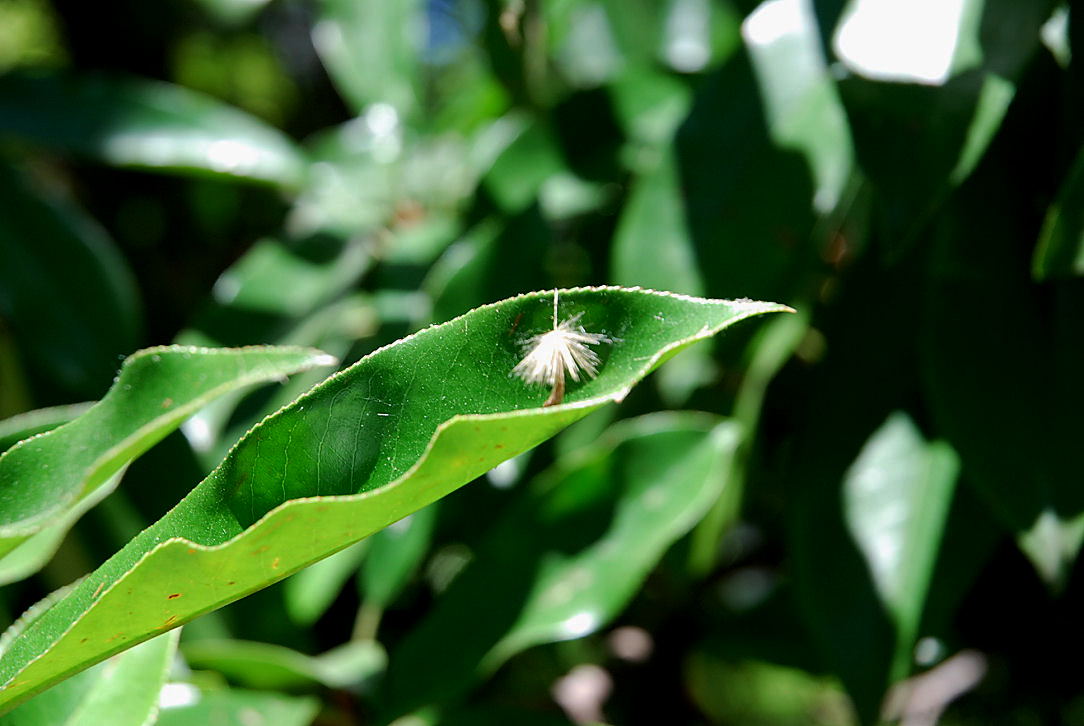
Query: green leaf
pixel 801 103
pixel 1060 252
pixel 526 162
pixel 652 246
pixel 568 559
pixel 233 707
pixel 896 499
pixel 916 142
pixel 371 50
pixel 24 425
pixel 50 250
pixel 146 125
pixel 1027 472
pixel 272 667
pixel 309 593
pixel 122 691
pixel 372 444
pixel 395 552
pixel 49 481
pixel 749 203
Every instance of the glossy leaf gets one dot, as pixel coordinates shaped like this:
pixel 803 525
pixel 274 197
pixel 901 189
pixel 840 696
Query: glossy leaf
pixel 146 125
pixel 372 444
pixel 52 250
pixel 122 691
pixel 567 560
pixel 265 666
pixel 48 481
pixel 896 501
pixel 802 105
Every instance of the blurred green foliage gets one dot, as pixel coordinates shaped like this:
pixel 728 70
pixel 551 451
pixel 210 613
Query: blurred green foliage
pixel 896 510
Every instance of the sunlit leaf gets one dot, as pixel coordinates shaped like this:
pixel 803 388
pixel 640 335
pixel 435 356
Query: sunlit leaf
pixel 50 480
pixel 372 444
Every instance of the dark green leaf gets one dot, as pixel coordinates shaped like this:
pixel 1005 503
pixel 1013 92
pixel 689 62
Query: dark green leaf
pixel 51 251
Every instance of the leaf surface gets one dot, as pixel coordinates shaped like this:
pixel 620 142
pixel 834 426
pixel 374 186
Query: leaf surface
pixel 398 430
pixel 48 481
pixel 122 691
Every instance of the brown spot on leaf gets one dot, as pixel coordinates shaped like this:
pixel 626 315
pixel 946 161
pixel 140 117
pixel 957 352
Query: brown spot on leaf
pixel 174 596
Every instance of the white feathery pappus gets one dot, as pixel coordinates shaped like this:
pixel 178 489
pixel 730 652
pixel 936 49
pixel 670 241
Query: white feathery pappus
pixel 549 356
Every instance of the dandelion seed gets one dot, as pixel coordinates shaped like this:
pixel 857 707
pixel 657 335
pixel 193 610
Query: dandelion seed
pixel 550 355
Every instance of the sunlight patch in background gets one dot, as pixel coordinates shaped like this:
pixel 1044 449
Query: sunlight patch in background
pixel 917 41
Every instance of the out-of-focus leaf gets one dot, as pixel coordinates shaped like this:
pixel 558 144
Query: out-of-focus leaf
pixel 768 352
pixel 122 691
pixel 518 173
pixel 395 552
pixel 272 667
pixel 49 480
pixel 749 204
pixel 652 247
pixel 233 707
pixel 762 694
pixel 146 125
pixel 372 50
pixel 1027 471
pixel 309 593
pixel 1060 252
pixel 274 279
pixel 569 558
pixel 917 142
pixel 23 426
pixel 477 268
pixel 802 106
pixel 1055 35
pixel 400 429
pixel 871 355
pixel 896 501
pixel 696 33
pixel 50 251
pixel 650 106
pixel 232 11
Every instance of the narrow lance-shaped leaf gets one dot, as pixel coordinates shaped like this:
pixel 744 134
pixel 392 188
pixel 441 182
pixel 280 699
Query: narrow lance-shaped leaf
pixel 400 429
pixel 48 481
pixel 896 499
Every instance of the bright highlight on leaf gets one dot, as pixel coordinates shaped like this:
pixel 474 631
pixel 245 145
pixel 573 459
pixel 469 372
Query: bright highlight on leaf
pixel 550 355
